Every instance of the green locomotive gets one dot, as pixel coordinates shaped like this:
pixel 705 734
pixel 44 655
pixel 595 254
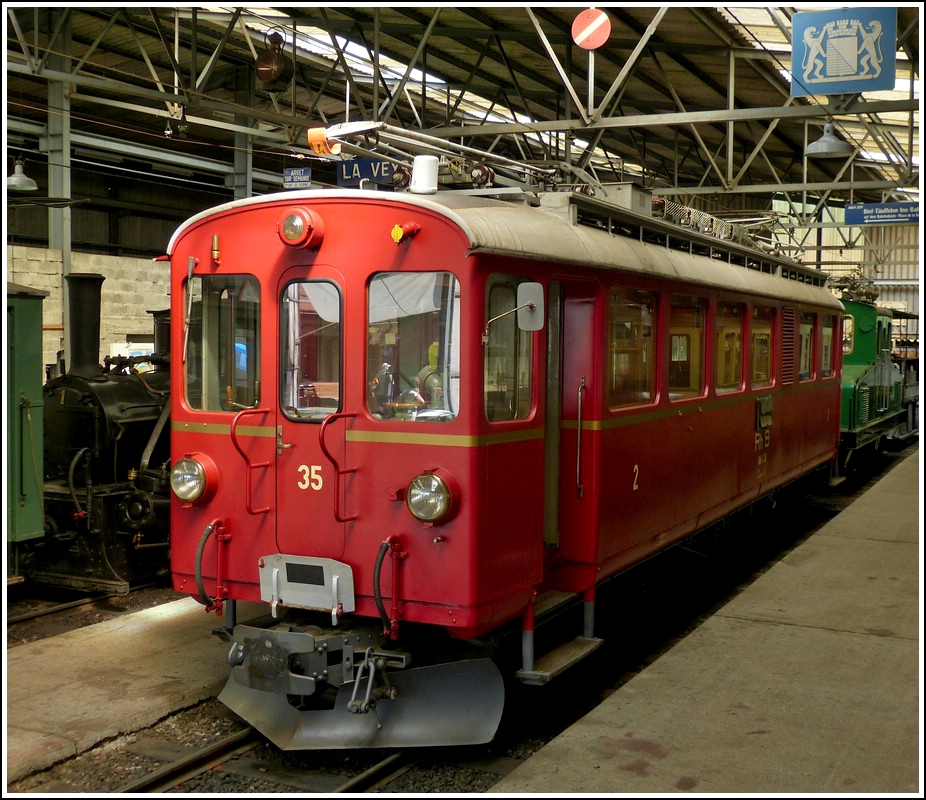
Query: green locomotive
pixel 880 387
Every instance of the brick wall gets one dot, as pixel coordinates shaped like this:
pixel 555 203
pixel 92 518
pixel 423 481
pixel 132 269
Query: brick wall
pixel 132 287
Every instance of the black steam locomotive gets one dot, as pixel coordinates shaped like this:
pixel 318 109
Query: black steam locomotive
pixel 106 460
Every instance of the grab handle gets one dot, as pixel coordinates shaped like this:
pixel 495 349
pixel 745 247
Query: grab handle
pixel 579 487
pixel 338 472
pixel 249 466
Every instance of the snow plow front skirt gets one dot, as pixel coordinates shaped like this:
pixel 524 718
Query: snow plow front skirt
pixel 446 704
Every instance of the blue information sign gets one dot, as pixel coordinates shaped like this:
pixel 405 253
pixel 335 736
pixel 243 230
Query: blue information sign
pixel 843 51
pixel 351 173
pixel 882 213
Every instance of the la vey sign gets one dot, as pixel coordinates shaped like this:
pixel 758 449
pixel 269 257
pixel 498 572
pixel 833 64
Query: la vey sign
pixel 357 170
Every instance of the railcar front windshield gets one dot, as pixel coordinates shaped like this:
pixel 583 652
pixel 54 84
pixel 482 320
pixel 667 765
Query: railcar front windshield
pixel 413 346
pixel 221 348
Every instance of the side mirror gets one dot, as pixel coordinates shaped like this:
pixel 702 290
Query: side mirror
pixel 529 308
pixel 531 314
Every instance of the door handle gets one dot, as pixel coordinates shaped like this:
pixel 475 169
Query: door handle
pixel 281 445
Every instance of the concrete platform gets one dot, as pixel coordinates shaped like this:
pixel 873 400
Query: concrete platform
pixel 145 665
pixel 807 682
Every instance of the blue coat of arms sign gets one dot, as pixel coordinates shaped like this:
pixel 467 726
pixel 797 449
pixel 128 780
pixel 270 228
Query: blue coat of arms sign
pixel 843 51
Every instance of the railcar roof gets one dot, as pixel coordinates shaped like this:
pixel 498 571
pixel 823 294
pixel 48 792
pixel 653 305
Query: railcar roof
pixel 584 232
pixel 514 232
pixel 448 200
pixel 895 313
pixel 20 290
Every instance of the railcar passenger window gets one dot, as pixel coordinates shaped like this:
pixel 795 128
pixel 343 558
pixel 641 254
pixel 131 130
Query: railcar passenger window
pixel 729 330
pixel 805 371
pixel 829 336
pixel 686 347
pixel 413 346
pixel 631 365
pixel 761 351
pixel 508 379
pixel 221 349
pixel 310 350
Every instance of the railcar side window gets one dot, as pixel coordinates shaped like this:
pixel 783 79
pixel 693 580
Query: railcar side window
pixel 829 336
pixel 761 351
pixel 805 370
pixel 222 342
pixel 631 347
pixel 848 334
pixel 310 350
pixel 413 346
pixel 686 347
pixel 508 379
pixel 729 329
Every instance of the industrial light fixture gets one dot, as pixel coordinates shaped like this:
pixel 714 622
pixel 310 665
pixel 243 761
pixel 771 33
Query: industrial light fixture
pixel 273 68
pixel 19 181
pixel 829 145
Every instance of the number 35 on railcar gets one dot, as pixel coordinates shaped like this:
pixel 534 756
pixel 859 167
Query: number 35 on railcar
pixel 408 422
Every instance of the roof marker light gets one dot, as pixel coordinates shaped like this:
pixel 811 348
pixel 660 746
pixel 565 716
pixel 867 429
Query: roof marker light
pixel 402 232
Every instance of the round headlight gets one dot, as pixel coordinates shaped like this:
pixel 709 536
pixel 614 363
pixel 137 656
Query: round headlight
pixel 428 497
pixel 188 480
pixel 292 228
pixel 301 227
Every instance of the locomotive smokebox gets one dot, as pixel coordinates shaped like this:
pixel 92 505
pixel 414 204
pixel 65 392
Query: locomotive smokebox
pixel 84 292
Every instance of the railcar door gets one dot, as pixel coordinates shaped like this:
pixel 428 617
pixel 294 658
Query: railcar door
pixel 571 476
pixel 309 438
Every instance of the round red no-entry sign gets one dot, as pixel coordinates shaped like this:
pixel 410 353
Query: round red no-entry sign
pixel 591 29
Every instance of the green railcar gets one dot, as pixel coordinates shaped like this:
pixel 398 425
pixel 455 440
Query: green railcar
pixel 880 395
pixel 24 422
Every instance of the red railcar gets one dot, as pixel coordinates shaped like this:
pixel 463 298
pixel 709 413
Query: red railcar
pixel 408 422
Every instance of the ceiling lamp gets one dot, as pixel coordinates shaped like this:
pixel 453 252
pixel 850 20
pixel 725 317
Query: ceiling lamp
pixel 829 145
pixel 19 181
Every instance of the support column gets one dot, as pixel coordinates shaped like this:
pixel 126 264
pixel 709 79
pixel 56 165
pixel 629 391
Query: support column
pixel 57 146
pixel 242 185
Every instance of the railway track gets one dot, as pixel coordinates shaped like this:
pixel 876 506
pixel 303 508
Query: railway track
pixel 188 765
pixel 243 756
pixel 34 611
pixel 56 608
pixel 238 755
